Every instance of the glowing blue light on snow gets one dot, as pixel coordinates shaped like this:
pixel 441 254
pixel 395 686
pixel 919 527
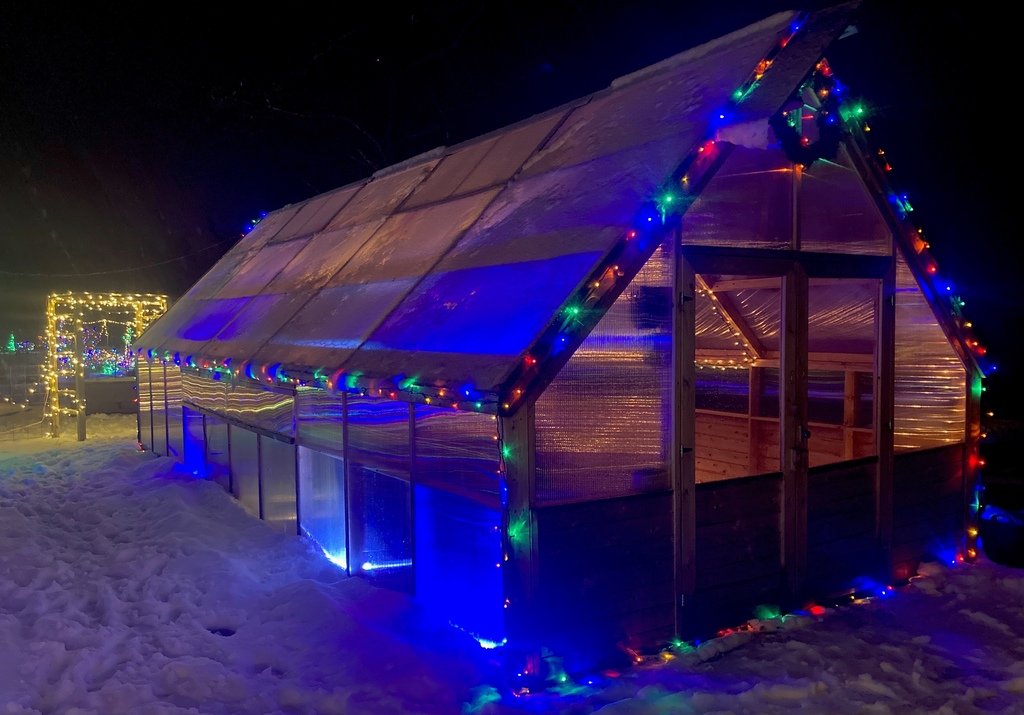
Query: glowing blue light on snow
pixel 386 565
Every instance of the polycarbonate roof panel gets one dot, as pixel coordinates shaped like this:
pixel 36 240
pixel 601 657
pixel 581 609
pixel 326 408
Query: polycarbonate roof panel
pixel 320 258
pixel 676 100
pixel 467 325
pixel 332 325
pixel 383 194
pixel 261 268
pixel 316 213
pixel 409 243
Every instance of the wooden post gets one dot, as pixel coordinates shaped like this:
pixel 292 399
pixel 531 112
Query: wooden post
pixel 519 542
pixel 793 432
pixel 684 432
pixel 972 464
pixel 754 387
pixel 849 411
pixel 884 403
pixel 80 378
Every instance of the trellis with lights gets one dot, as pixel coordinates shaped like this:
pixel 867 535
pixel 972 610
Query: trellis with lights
pixel 90 335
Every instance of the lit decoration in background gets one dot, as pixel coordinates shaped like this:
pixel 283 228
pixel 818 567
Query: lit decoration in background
pixel 89 335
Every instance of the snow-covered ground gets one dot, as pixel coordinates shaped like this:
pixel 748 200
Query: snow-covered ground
pixel 127 586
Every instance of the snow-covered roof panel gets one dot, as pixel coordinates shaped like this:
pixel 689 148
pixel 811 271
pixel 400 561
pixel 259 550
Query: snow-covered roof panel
pixel 316 213
pixel 677 103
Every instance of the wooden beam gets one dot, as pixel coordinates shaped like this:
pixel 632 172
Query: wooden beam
pixel 884 403
pixel 727 261
pixel 731 314
pixel 519 540
pixel 793 432
pixel 684 420
pixel 849 411
pixel 755 386
pixel 825 361
pixel 972 465
pixel 734 283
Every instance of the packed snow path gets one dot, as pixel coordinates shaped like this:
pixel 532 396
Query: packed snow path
pixel 127 586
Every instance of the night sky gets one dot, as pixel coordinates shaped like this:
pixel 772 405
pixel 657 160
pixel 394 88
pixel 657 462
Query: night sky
pixel 135 147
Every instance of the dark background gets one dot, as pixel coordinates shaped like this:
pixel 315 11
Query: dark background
pixel 135 146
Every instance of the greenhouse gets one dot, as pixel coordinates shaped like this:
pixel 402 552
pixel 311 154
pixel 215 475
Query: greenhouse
pixel 613 375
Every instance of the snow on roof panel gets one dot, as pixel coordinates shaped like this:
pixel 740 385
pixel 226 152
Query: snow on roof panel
pixel 410 242
pixel 444 181
pixel 380 196
pixel 316 213
pixel 333 324
pixel 261 269
pixel 677 103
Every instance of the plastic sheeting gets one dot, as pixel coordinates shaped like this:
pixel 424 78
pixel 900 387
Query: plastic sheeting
pixel 277 484
pixel 194 436
pixel 603 425
pixel 218 465
pixel 457 452
pixel 142 368
pixel 322 506
pixel 380 528
pixel 158 396
pixel 931 381
pixel 245 468
pixel 175 437
pixel 268 409
pixel 320 417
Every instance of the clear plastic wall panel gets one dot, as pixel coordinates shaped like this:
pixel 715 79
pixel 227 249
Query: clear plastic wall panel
pixel 931 381
pixel 261 269
pixel 175 433
pixel 841 347
pixel 603 425
pixel 320 419
pixel 382 195
pixel 277 480
pixel 457 451
pixel 380 528
pixel 676 99
pixel 245 468
pixel 315 214
pixel 158 393
pixel 268 409
pixel 322 503
pixel 218 464
pixel 837 213
pixel 378 435
pixel 458 563
pixel 143 369
pixel 720 389
pixel 205 392
pixel 841 318
pixel 194 436
pixel 747 203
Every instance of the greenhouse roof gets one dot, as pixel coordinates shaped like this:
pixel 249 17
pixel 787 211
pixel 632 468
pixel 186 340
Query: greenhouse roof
pixel 464 268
